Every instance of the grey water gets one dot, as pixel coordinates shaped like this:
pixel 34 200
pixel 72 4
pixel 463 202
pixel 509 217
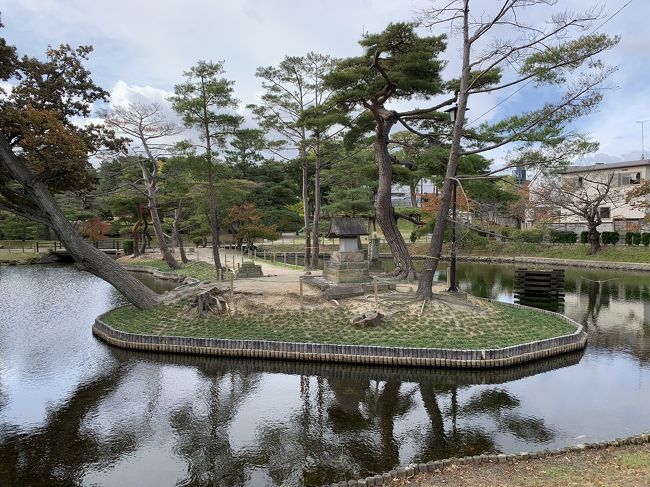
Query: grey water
pixel 74 411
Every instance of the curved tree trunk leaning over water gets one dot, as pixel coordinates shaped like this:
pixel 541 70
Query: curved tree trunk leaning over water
pixel 85 255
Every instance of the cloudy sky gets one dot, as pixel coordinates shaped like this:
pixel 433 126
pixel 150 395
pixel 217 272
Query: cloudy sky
pixel 142 47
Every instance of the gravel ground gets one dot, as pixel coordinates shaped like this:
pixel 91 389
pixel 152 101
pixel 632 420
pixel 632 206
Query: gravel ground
pixel 626 466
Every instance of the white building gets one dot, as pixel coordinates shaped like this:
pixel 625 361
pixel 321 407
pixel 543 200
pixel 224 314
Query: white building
pixel 616 212
pixel 403 195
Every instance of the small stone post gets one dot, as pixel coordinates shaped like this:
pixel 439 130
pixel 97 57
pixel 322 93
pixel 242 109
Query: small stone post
pixel 232 286
pixel 374 281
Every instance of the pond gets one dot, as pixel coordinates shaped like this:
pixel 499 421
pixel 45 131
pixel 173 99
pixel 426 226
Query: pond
pixel 74 411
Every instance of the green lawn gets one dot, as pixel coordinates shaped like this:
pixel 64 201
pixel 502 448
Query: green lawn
pixel 487 325
pixel 609 253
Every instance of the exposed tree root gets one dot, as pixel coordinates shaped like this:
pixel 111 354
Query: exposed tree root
pixel 211 301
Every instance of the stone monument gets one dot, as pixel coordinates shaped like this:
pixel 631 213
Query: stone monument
pixel 347 265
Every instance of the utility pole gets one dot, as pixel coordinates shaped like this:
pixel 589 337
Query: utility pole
pixel 642 138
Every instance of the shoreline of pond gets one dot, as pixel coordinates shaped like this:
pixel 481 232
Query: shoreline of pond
pixel 430 470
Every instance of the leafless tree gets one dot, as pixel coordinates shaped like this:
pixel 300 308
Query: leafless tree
pixel 147 127
pixel 559 51
pixel 581 195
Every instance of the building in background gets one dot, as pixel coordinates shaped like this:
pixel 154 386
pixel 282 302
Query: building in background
pixel 617 211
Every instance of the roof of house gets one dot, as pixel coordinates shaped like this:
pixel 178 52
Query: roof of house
pixel 347 227
pixel 606 166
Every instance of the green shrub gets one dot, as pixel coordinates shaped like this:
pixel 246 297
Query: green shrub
pixel 610 238
pixel 584 237
pixel 413 237
pixel 127 246
pixel 645 239
pixel 534 235
pixel 632 238
pixel 197 241
pixel 560 236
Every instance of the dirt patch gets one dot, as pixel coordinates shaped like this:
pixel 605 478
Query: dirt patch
pixel 627 466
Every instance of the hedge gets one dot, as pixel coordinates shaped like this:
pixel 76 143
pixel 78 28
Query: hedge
pixel 584 237
pixel 559 236
pixel 645 239
pixel 610 238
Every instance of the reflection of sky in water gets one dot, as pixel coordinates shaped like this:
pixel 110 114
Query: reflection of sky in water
pixel 112 418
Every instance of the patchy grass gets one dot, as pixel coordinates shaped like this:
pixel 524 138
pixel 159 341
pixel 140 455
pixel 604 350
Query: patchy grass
pixel 21 257
pixel 485 325
pixel 203 271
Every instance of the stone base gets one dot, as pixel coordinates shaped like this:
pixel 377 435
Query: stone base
pixel 249 270
pixel 347 272
pixel 341 291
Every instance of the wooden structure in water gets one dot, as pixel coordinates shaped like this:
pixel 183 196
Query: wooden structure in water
pixel 539 287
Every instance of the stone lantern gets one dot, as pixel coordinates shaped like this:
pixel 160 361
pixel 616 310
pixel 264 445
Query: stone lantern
pixel 347 265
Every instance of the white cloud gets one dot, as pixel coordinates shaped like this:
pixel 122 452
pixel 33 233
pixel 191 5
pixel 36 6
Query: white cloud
pixel 122 94
pixel 142 48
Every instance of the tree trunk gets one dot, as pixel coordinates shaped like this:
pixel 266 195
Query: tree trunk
pixel 135 231
pixel 86 256
pixel 145 235
pixel 594 237
pixel 317 201
pixel 305 207
pixel 425 283
pixel 157 228
pixel 414 198
pixel 176 234
pixel 151 181
pixel 214 224
pixel 383 205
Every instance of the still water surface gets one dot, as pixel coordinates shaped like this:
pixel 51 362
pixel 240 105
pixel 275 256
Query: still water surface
pixel 74 411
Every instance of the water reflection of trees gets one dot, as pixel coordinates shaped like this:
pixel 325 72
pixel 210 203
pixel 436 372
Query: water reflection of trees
pixel 58 452
pixel 203 438
pixel 351 422
pixel 614 306
pixel 615 312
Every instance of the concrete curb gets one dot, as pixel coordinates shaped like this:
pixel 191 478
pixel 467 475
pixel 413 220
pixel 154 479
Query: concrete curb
pixel 356 354
pixel 440 465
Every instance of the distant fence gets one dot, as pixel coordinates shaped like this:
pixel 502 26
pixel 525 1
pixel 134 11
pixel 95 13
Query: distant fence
pixel 44 246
